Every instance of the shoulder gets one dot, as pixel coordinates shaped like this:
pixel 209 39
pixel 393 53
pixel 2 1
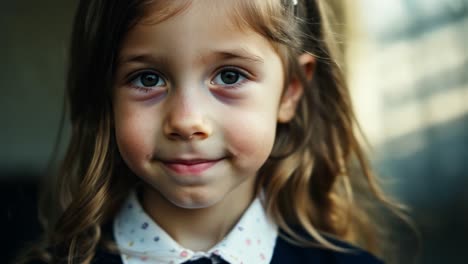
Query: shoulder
pixel 104 257
pixel 286 252
pixel 101 257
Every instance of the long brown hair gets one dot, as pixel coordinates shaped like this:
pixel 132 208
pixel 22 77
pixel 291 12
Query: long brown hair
pixel 315 179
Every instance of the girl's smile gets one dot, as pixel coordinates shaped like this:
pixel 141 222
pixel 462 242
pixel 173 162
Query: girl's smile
pixel 189 167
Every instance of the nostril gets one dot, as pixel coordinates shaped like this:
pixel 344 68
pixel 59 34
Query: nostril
pixel 198 135
pixel 189 128
pixel 175 135
pixel 195 135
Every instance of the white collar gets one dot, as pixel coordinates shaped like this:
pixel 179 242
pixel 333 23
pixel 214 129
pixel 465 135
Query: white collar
pixel 141 240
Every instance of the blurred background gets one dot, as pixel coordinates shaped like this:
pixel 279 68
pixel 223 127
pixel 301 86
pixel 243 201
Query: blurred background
pixel 407 65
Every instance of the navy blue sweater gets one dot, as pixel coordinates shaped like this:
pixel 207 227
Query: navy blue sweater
pixel 284 253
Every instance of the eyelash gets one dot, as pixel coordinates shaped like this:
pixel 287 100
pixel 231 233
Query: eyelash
pixel 242 78
pixel 137 77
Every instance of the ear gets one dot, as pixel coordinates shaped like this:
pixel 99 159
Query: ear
pixel 294 89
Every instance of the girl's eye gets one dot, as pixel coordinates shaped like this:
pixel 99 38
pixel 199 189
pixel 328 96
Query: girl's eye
pixel 147 80
pixel 229 77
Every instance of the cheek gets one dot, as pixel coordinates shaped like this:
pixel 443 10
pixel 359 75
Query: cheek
pixel 134 138
pixel 251 138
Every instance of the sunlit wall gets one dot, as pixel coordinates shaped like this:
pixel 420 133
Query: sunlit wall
pixel 407 63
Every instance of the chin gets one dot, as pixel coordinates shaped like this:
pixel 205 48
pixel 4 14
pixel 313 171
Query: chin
pixel 194 201
pixel 192 197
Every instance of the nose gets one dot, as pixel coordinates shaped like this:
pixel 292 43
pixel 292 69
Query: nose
pixel 186 119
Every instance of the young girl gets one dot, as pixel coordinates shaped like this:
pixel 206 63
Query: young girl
pixel 217 131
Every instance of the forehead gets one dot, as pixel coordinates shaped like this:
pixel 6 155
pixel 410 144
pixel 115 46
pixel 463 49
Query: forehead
pixel 158 11
pixel 207 24
pixel 189 13
pixel 259 15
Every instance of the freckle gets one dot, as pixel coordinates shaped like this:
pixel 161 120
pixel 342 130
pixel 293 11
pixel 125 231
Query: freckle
pixel 184 254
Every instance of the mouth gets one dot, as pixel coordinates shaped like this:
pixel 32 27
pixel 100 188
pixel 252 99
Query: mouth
pixel 192 167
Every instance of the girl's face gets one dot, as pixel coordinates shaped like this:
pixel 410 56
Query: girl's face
pixel 196 103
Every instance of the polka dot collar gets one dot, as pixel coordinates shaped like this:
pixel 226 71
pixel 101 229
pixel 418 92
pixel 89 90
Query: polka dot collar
pixel 141 240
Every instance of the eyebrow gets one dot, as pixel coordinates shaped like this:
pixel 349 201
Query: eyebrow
pixel 240 53
pixel 149 58
pixel 146 58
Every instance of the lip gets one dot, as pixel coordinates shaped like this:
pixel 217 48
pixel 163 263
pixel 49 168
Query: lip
pixel 192 166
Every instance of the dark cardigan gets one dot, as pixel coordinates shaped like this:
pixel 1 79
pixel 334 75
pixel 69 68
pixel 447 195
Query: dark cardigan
pixel 283 253
pixel 287 253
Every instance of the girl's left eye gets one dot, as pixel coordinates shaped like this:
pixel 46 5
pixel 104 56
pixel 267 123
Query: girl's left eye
pixel 229 77
pixel 147 80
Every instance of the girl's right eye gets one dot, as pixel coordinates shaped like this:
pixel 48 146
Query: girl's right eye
pixel 147 81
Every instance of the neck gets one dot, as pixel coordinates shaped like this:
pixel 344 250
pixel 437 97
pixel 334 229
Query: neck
pixel 196 229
